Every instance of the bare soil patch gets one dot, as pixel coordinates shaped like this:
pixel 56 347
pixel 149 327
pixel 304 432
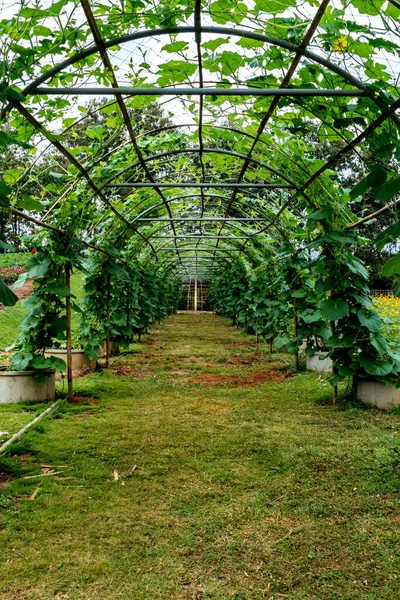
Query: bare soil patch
pixel 129 371
pixel 6 480
pixel 245 380
pixel 79 399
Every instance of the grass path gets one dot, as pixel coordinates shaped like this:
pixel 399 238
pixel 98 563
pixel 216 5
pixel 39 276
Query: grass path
pixel 185 482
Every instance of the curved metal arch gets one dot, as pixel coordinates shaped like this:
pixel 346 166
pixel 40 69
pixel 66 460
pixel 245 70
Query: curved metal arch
pixel 274 148
pixel 194 250
pixel 167 153
pixel 383 106
pixel 228 224
pixel 177 198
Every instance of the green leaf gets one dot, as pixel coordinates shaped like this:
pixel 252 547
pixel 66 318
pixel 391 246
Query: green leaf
pixel 319 215
pixel 175 47
pixel 214 44
pixel 390 234
pixel 4 189
pixel 375 367
pixel 379 343
pixel 356 266
pixel 388 189
pixel 7 296
pixel 8 140
pixel 368 7
pixel 40 362
pixel 20 361
pixel 38 268
pixel 29 203
pixel 96 132
pixel 370 319
pixel 333 309
pixel 396 290
pixel 60 289
pixel 175 71
pixel 230 62
pixel 385 151
pixel 5 246
pixel 58 363
pixel 310 317
pixel 274 7
pixel 391 266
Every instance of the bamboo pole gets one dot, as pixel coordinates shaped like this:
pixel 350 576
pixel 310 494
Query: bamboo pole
pixel 69 340
pixel 295 330
pixel 335 387
pixel 22 431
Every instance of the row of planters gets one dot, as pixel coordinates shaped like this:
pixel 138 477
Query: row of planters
pixel 316 300
pixel 121 300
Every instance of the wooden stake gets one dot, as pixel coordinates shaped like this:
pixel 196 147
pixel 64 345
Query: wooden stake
pixel 69 340
pixel 335 387
pixel 108 283
pixel 295 330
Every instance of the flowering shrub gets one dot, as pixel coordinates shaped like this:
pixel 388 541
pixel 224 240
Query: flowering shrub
pixel 388 307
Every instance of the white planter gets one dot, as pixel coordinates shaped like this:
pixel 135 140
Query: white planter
pixel 21 386
pixel 79 359
pixel 317 363
pixel 378 394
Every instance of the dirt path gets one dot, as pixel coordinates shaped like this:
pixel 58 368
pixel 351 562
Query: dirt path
pixel 201 468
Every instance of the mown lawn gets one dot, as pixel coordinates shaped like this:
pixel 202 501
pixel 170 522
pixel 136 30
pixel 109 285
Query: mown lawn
pixel 180 481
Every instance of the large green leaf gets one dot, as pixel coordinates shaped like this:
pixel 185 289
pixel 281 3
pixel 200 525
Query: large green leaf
pixel 379 343
pixel 390 234
pixel 37 267
pixel 20 361
pixel 368 7
pixel 274 7
pixel 379 368
pixel 391 266
pixel 370 319
pixel 333 309
pixel 388 190
pixel 7 296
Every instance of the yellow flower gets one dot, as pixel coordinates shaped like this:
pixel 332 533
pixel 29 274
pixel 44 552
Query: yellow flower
pixel 340 45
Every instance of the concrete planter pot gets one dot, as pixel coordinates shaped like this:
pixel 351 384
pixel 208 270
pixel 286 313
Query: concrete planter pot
pixel 112 347
pixel 316 362
pixel 21 386
pixel 374 393
pixel 79 359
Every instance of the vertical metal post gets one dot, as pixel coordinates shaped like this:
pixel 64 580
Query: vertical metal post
pixel 195 294
pixel 69 340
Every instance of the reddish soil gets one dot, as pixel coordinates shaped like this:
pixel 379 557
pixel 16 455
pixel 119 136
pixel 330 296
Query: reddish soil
pixel 129 371
pixel 237 344
pixel 23 292
pixel 245 380
pixel 77 399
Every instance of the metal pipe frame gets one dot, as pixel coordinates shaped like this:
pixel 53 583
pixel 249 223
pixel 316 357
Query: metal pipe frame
pixel 388 111
pixel 168 153
pixel 257 186
pixel 228 31
pixel 189 91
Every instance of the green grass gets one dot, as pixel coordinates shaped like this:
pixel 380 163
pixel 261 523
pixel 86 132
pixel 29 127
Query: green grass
pixel 223 492
pixel 11 317
pixel 14 258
